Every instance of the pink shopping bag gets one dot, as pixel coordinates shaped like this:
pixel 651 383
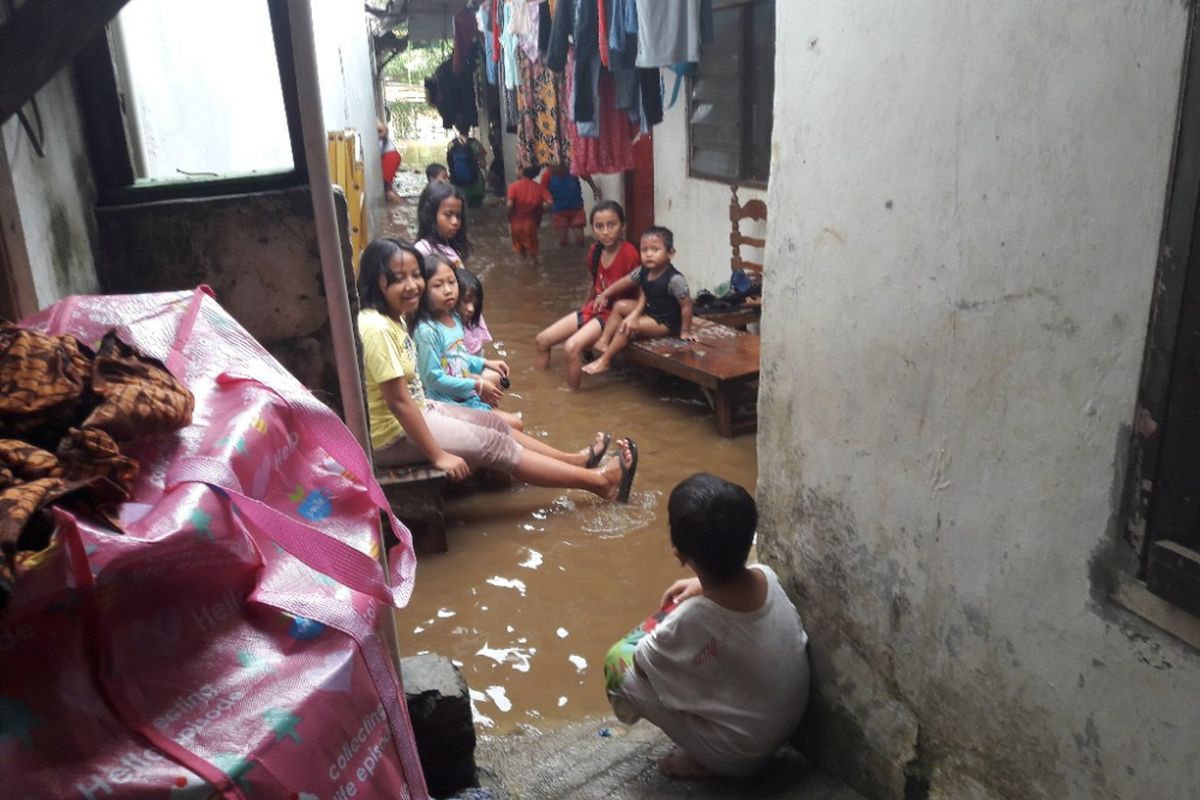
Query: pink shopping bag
pixel 231 640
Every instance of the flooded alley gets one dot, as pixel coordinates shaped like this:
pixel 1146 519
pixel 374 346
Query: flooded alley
pixel 538 583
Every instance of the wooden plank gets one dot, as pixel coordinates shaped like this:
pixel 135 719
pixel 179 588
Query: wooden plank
pixel 40 38
pixel 722 355
pixel 723 360
pixel 100 100
pixel 418 473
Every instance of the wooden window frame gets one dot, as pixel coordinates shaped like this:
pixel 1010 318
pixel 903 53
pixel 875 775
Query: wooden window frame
pixel 745 109
pixel 108 141
pixel 1165 473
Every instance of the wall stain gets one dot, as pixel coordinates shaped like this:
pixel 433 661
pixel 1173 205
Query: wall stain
pixel 1028 294
pixel 837 579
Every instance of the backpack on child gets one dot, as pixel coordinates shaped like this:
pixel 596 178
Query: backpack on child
pixel 460 158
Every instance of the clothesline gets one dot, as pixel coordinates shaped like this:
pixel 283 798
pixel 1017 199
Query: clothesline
pixel 581 79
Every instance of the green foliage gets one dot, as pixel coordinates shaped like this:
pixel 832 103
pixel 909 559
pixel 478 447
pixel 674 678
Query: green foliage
pixel 416 64
pixel 405 116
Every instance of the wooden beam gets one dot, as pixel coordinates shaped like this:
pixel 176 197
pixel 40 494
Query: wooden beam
pixel 40 38
pixel 104 122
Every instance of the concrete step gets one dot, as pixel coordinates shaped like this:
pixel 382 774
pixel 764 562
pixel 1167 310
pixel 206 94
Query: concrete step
pixel 605 760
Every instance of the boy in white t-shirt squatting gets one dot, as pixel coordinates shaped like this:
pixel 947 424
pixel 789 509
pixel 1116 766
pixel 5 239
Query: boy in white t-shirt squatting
pixel 722 668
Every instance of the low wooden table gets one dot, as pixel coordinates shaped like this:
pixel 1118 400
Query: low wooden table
pixel 722 361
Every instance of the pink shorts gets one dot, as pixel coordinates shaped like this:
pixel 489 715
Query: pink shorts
pixel 569 219
pixel 480 438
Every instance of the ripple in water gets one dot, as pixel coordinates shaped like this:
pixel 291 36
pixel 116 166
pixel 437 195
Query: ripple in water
pixel 611 520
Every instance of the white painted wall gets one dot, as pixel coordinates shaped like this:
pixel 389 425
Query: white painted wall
pixel 696 210
pixel 967 201
pixel 347 87
pixel 47 201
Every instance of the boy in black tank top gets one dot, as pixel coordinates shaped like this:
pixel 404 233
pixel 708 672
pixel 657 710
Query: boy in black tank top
pixel 663 307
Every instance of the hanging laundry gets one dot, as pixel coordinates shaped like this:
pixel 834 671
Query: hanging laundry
pixel 497 20
pixel 508 47
pixel 602 33
pixel 510 110
pixel 465 31
pixel 623 28
pixel 545 22
pixel 577 21
pixel 484 24
pixel 454 95
pixel 525 25
pixel 670 31
pixel 651 97
pixel 542 115
pixel 611 148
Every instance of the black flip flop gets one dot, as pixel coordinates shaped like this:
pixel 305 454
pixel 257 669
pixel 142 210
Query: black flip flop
pixel 627 473
pixel 593 456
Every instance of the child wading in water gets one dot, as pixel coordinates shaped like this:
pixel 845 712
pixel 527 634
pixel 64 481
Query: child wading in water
pixel 408 428
pixel 527 200
pixel 610 259
pixel 567 211
pixel 722 668
pixel 450 373
pixel 664 304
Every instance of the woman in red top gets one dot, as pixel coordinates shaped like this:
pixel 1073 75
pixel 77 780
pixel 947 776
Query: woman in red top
pixel 609 259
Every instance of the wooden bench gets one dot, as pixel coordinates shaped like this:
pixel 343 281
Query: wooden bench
pixel 416 495
pixel 724 360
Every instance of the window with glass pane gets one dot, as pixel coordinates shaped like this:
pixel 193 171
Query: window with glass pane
pixel 201 88
pixel 731 95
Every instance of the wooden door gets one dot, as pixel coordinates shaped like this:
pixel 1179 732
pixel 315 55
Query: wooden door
pixel 639 189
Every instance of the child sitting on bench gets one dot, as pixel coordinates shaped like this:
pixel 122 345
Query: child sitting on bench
pixel 663 307
pixel 722 668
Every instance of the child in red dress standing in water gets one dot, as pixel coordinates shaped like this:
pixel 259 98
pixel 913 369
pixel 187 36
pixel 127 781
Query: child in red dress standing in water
pixel 527 200
pixel 610 259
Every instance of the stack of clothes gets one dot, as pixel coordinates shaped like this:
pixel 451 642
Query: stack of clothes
pixel 65 413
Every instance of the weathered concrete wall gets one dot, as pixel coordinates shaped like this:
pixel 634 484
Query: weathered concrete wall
pixel 696 210
pixel 258 252
pixel 47 201
pixel 967 201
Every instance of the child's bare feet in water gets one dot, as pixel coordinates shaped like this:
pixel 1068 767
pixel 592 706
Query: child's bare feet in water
pixel 596 367
pixel 678 764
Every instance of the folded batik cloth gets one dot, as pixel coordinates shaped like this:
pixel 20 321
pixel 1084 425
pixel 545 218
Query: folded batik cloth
pixel 64 411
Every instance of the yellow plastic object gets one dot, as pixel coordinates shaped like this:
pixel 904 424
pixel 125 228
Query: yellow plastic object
pixel 346 169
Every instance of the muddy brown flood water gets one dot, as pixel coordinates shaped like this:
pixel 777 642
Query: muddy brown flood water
pixel 538 583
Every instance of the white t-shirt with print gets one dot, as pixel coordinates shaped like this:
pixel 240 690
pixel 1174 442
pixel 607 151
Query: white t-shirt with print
pixel 743 674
